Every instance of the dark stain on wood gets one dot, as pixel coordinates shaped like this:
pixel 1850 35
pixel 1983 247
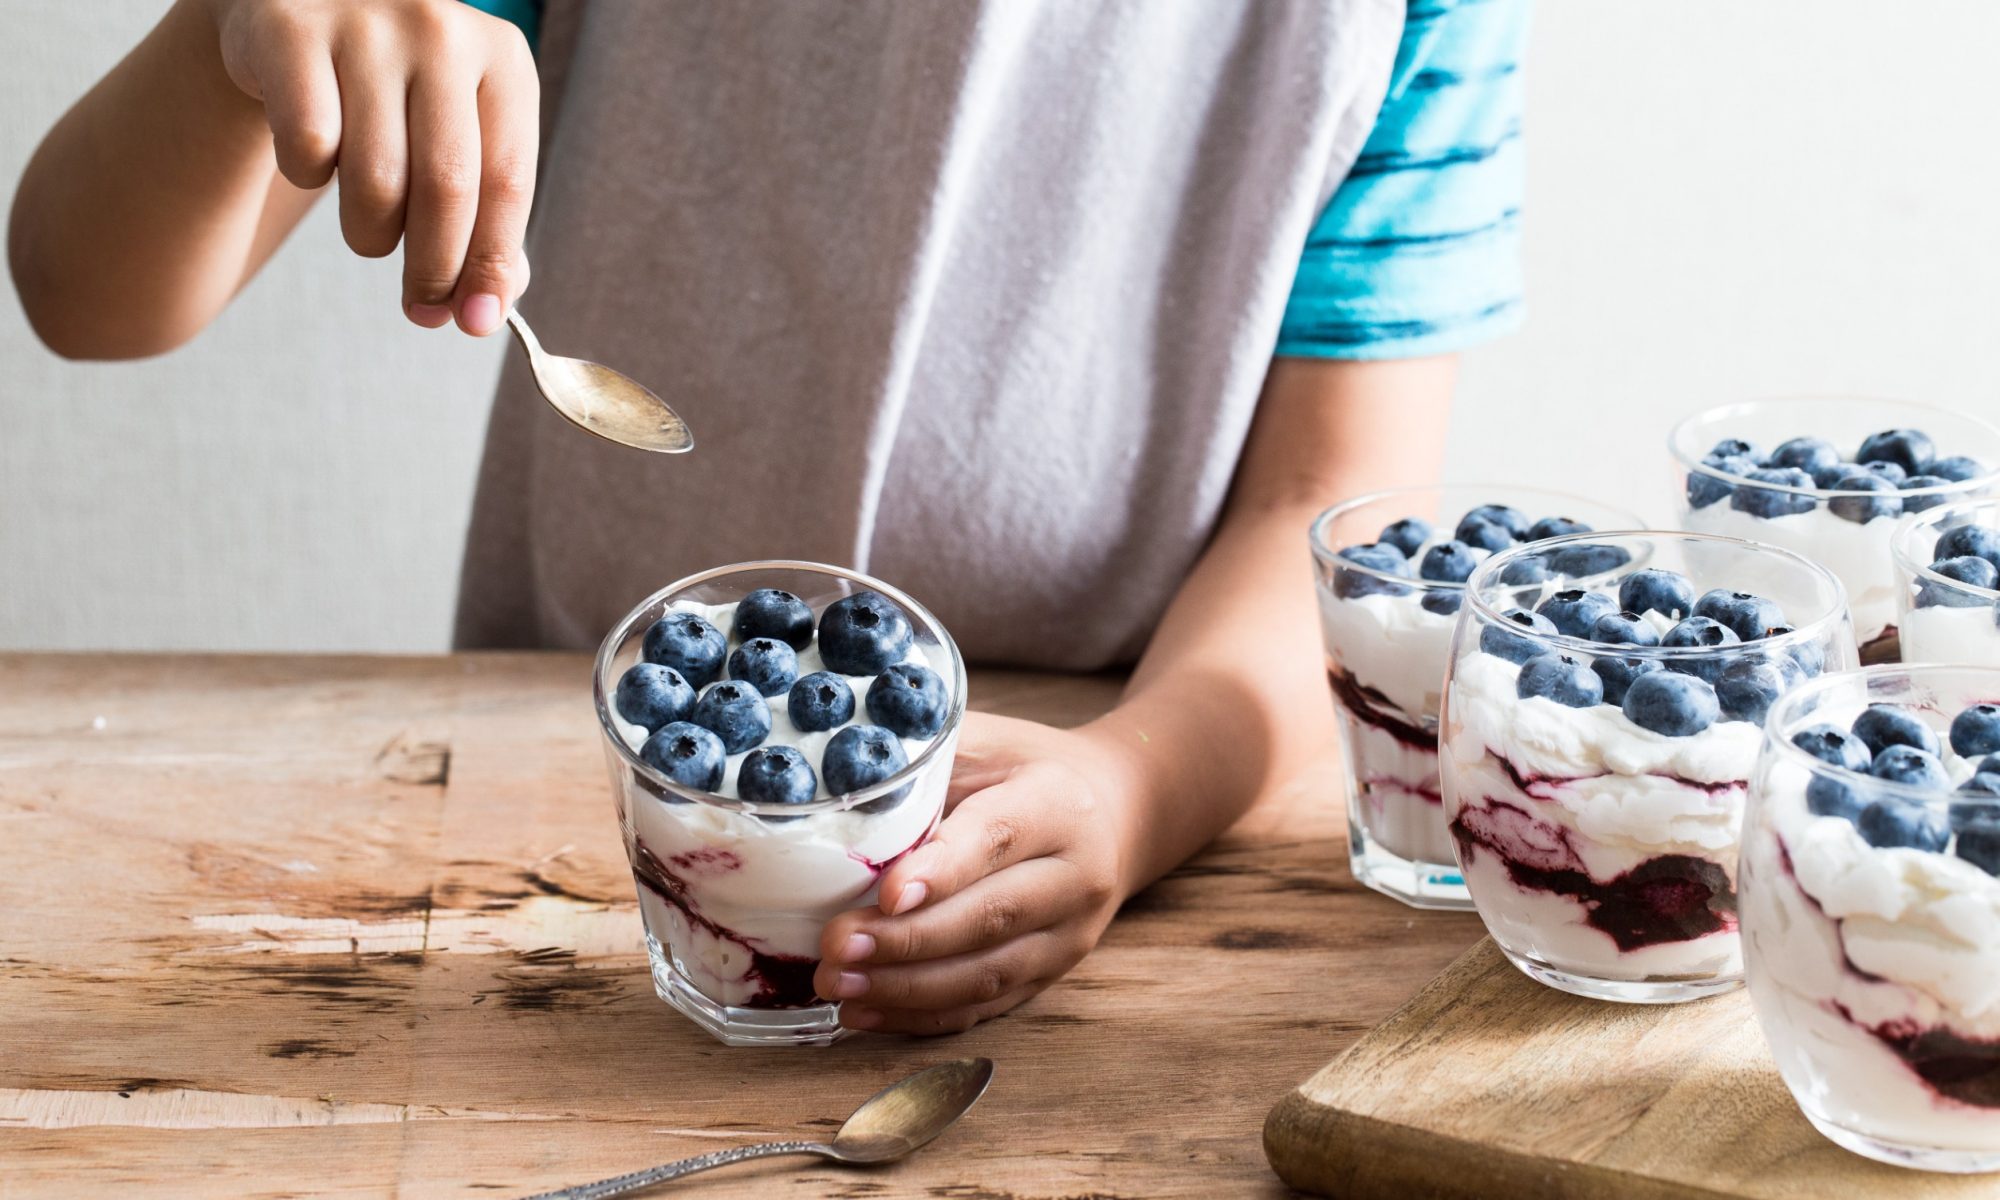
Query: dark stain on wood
pixel 306 1048
pixel 548 980
pixel 371 983
pixel 404 759
pixel 1256 939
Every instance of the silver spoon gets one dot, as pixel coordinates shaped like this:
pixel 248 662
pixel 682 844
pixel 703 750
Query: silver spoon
pixel 893 1123
pixel 601 400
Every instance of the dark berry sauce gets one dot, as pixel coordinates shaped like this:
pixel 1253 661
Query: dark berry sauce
pixel 786 979
pixel 1373 708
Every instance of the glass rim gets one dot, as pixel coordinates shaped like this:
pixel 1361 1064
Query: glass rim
pixel 1904 541
pixel 1792 705
pixel 1324 552
pixel 1811 631
pixel 623 630
pixel 1690 457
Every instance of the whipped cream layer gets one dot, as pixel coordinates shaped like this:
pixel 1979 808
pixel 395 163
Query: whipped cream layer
pixel 1392 645
pixel 1395 793
pixel 739 900
pixel 1876 974
pixel 1938 634
pixel 1858 554
pixel 1589 842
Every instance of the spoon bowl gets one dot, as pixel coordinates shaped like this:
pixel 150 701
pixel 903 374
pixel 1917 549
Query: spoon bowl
pixel 600 400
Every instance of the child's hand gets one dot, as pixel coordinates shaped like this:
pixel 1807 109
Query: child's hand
pixel 1015 888
pixel 430 112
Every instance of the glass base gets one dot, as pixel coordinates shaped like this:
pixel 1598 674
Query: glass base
pixel 1921 1158
pixel 1624 991
pixel 1417 884
pixel 818 1025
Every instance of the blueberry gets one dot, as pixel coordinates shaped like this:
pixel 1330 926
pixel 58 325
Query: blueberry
pixel 689 644
pixel 863 634
pixel 1911 767
pixel 1352 585
pixel 1825 477
pixel 1525 570
pixel 650 695
pixel 1699 633
pixel 1830 797
pixel 1808 657
pixel 1982 784
pixel 1407 535
pixel 766 664
pixel 1735 448
pixel 1549 527
pixel 1447 562
pixel 1486 535
pixel 1506 641
pixel 1769 502
pixel 1990 765
pixel 1671 704
pixel 770 613
pixel 820 701
pixel 776 775
pixel 1907 448
pixel 908 700
pixel 1808 454
pixel 1977 541
pixel 733 711
pixel 1959 468
pixel 1873 497
pixel 1884 470
pixel 1574 611
pixel 1589 558
pixel 687 754
pixel 1748 616
pixel 1668 593
pixel 1748 687
pixel 1973 572
pixel 1624 629
pixel 1881 726
pixel 1512 519
pixel 861 756
pixel 1979 844
pixel 1921 503
pixel 1442 601
pixel 1560 678
pixel 1894 821
pixel 1976 731
pixel 1617 674
pixel 1704 490
pixel 1834 746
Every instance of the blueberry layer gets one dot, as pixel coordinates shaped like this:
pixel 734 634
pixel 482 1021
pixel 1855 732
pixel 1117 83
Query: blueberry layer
pixel 1373 708
pixel 786 979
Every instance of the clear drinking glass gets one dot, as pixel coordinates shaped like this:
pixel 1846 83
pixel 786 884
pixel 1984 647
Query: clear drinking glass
pixel 733 893
pixel 1593 789
pixel 1871 927
pixel 1846 530
pixel 1387 639
pixel 1945 619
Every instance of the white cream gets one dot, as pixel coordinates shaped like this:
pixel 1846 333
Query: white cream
pixel 1394 793
pixel 1858 554
pixel 1964 636
pixel 768 885
pixel 1925 926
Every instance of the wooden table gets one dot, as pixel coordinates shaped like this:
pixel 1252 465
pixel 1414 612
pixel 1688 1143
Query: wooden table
pixel 280 926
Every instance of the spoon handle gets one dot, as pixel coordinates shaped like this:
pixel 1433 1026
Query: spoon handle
pixel 620 1185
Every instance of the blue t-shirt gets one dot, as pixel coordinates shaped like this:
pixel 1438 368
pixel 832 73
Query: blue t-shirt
pixel 1419 250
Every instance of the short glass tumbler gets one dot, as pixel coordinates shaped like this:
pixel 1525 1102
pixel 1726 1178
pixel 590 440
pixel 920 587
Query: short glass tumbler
pixel 1387 636
pixel 1847 526
pixel 1950 607
pixel 1594 779
pixel 1871 925
pixel 734 894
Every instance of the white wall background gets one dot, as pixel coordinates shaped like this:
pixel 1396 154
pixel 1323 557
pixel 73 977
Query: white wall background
pixel 1725 200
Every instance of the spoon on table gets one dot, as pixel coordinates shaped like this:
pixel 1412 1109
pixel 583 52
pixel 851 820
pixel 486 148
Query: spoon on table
pixel 599 399
pixel 893 1123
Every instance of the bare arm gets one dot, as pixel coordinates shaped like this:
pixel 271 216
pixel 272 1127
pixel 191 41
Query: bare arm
pixel 155 198
pixel 1053 829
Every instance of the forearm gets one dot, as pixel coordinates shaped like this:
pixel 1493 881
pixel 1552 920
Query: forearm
pixel 1230 698
pixel 145 208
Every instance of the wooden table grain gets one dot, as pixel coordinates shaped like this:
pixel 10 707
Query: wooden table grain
pixel 362 927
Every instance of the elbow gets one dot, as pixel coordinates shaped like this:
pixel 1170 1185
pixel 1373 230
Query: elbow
pixel 73 323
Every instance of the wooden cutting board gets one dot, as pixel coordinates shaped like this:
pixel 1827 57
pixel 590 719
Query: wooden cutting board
pixel 1488 1084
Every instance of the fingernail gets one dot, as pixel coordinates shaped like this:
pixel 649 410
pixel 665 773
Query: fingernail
pixel 913 895
pixel 480 314
pixel 860 1018
pixel 430 316
pixel 859 946
pixel 849 985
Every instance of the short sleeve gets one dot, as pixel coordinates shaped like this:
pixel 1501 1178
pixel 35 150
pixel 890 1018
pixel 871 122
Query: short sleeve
pixel 1419 250
pixel 527 14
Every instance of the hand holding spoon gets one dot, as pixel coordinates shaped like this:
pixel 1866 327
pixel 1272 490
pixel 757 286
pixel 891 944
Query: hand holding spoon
pixel 599 399
pixel 893 1123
